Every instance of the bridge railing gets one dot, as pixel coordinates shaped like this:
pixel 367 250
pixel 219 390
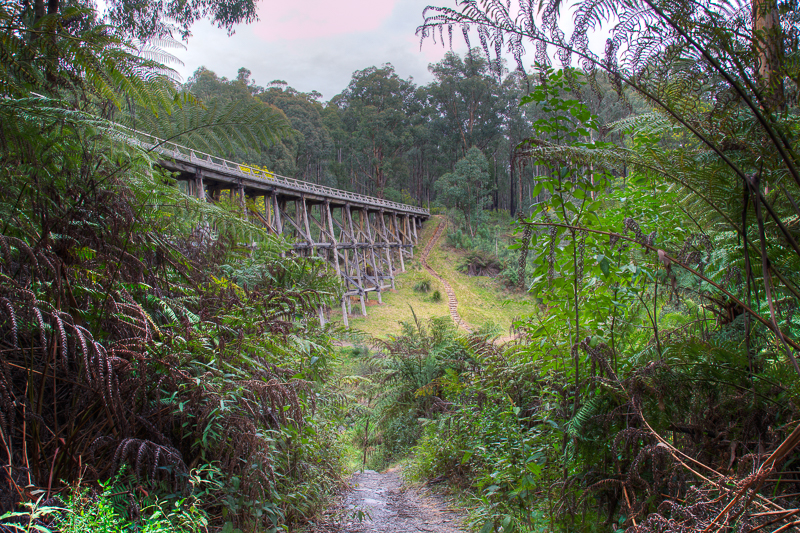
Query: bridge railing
pixel 196 157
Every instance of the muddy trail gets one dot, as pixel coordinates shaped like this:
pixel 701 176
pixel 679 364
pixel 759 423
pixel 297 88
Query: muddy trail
pixel 379 502
pixel 452 301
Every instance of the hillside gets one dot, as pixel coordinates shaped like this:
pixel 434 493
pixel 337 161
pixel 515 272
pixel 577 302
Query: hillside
pixel 481 300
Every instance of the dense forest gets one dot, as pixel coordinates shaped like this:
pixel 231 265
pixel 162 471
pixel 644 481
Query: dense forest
pixel 162 366
pixel 387 137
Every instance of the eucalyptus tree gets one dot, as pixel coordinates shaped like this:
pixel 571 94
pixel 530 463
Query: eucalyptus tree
pixel 466 95
pixel 312 141
pixel 223 94
pixel 374 114
pixel 467 188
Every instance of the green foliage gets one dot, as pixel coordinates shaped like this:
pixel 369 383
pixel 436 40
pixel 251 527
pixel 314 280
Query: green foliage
pixel 113 508
pixel 423 285
pixel 467 188
pixel 478 263
pixel 404 391
pixel 655 264
pixel 147 329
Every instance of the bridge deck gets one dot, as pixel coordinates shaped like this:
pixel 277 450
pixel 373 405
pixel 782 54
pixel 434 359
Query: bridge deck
pixel 363 238
pixel 256 181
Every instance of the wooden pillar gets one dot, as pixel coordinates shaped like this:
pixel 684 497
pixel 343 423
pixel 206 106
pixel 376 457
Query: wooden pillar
pixel 199 188
pixel 333 238
pixel 344 312
pixel 388 249
pixel 268 211
pixel 399 237
pixel 358 261
pixel 378 285
pixel 345 252
pixel 407 228
pixel 276 208
pixel 242 199
pixel 309 238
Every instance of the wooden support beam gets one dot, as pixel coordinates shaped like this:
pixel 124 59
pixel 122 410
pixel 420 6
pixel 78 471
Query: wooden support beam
pixel 276 208
pixel 399 241
pixel 242 199
pixel 371 240
pixel 200 190
pixel 407 226
pixel 358 273
pixel 333 238
pixel 308 235
pixel 387 250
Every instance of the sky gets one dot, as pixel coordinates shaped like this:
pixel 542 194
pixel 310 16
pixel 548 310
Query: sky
pixel 318 44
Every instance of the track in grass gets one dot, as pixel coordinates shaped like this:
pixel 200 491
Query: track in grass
pixel 452 301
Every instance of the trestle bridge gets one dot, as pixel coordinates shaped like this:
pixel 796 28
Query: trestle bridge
pixel 366 240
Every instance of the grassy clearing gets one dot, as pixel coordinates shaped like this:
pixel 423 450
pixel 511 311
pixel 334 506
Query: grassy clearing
pixel 480 300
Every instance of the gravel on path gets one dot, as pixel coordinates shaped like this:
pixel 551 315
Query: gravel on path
pixel 379 502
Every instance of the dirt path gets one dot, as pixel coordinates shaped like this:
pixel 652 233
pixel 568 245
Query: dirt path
pixel 452 302
pixel 380 503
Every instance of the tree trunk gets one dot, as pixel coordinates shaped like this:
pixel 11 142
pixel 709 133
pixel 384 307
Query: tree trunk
pixel 768 40
pixel 511 206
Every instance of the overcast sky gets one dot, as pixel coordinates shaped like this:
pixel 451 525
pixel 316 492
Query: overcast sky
pixel 318 44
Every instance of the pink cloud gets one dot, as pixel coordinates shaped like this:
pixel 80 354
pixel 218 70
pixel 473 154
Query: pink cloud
pixel 310 19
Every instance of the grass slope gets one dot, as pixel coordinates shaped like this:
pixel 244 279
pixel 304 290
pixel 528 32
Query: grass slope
pixel 481 300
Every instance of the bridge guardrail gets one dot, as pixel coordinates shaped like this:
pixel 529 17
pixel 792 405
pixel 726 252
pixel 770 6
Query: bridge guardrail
pixel 192 156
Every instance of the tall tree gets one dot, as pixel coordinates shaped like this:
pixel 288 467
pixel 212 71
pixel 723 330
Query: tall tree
pixel 374 112
pixel 159 19
pixel 466 95
pixel 468 188
pixel 313 143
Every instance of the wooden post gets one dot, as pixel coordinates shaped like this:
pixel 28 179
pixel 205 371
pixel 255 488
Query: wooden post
pixel 407 228
pixel 388 248
pixel 242 200
pixel 378 285
pixel 399 237
pixel 359 277
pixel 345 252
pixel 344 312
pixel 334 246
pixel 276 208
pixel 199 188
pixel 309 238
pixel 268 210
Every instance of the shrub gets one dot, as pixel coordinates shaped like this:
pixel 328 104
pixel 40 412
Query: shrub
pixel 423 285
pixel 436 297
pixel 478 263
pixel 115 508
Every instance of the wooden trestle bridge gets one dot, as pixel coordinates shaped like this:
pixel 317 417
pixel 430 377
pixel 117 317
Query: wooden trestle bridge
pixel 364 239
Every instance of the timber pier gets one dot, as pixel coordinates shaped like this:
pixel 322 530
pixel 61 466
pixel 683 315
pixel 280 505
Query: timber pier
pixel 363 238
